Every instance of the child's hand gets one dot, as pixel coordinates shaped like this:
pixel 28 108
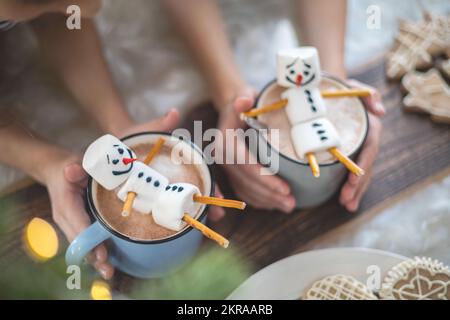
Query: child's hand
pixel 355 187
pixel 66 183
pixel 29 10
pixel 166 124
pixel 88 8
pixel 260 191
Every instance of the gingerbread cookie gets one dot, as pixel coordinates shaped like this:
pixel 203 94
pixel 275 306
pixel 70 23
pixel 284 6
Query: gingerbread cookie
pixel 444 67
pixel 440 33
pixel 339 287
pixel 429 93
pixel 416 45
pixel 417 279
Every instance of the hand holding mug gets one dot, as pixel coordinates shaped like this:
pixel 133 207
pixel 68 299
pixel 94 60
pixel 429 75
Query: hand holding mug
pixel 260 191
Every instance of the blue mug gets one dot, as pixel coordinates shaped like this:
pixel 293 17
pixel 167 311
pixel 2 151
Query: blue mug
pixel 142 259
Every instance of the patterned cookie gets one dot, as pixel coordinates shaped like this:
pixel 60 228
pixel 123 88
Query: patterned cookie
pixel 417 43
pixel 417 279
pixel 429 93
pixel 339 287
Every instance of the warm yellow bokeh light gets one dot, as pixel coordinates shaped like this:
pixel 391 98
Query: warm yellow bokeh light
pixel 100 290
pixel 41 239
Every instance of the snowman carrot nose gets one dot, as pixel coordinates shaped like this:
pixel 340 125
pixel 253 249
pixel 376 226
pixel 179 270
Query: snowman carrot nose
pixel 128 160
pixel 299 79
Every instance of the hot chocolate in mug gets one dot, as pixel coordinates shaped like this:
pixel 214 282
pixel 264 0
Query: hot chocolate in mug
pixel 137 245
pixel 350 118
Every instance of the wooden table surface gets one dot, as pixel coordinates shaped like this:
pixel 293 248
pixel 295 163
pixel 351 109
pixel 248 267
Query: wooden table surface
pixel 413 151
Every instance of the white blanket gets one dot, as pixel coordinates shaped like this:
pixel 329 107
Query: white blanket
pixel 152 69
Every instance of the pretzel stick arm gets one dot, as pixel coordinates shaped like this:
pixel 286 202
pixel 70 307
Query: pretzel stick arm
pixel 346 93
pixel 128 204
pixel 220 202
pixel 313 164
pixel 347 162
pixel 207 232
pixel 271 107
pixel 154 150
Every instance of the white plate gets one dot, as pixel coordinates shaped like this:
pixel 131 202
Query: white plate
pixel 290 277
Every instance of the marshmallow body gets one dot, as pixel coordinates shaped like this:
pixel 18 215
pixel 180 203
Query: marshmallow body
pixel 298 67
pixel 104 161
pixel 303 104
pixel 173 203
pixel 314 136
pixel 148 185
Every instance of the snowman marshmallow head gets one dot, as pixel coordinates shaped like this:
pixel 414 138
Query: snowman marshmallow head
pixel 298 67
pixel 108 161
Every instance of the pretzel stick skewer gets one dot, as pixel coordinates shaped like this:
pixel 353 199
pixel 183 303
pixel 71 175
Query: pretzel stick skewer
pixel 128 204
pixel 271 107
pixel 207 232
pixel 346 93
pixel 325 94
pixel 313 164
pixel 220 202
pixel 154 150
pixel 346 161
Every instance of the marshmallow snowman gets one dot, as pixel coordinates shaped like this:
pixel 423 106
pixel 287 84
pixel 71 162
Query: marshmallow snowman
pixel 173 203
pixel 298 70
pixel 314 136
pixel 148 185
pixel 108 161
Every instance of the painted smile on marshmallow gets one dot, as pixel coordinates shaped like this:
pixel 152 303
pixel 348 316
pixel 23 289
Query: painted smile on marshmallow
pixel 303 83
pixel 116 161
pixel 300 77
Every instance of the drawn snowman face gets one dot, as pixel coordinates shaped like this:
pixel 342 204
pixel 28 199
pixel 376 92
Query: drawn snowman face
pixel 120 159
pixel 298 67
pixel 108 161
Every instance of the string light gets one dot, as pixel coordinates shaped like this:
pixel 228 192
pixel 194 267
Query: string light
pixel 100 290
pixel 41 239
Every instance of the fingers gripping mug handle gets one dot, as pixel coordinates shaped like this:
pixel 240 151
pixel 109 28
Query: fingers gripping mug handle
pixel 85 242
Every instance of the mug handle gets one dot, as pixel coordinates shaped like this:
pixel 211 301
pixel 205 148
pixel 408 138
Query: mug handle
pixel 85 242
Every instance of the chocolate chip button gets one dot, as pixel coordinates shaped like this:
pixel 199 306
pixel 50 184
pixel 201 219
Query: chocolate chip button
pixel 156 184
pixel 140 175
pixel 174 188
pixel 180 189
pixel 149 179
